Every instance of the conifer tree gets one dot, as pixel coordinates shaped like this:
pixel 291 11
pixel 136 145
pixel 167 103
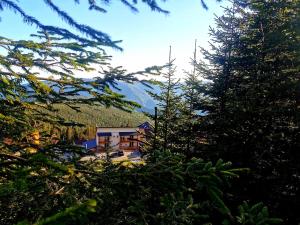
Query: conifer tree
pixel 253 106
pixel 217 69
pixel 168 106
pixel 190 105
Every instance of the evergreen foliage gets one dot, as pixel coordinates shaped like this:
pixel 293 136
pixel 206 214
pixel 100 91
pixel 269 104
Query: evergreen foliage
pixel 190 110
pixel 168 107
pixel 168 189
pixel 251 105
pixel 101 116
pixel 252 99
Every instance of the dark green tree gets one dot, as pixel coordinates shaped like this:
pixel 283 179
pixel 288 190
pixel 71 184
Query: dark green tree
pixel 253 99
pixel 190 109
pixel 168 106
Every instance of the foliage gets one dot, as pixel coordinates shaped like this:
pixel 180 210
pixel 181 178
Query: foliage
pixel 252 99
pixel 168 189
pixel 168 107
pixel 256 214
pixel 45 183
pixel 101 116
pixel 190 109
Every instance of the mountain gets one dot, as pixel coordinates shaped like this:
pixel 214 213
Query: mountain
pixel 137 92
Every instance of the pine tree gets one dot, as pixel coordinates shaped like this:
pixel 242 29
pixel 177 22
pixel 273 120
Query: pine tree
pixel 190 105
pixel 168 106
pixel 253 109
pixel 217 69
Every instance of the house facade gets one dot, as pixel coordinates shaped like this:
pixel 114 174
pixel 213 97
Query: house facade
pixel 126 139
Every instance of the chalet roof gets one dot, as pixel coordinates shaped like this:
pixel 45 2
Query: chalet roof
pixel 104 134
pixel 145 125
pixel 127 133
pixel 115 127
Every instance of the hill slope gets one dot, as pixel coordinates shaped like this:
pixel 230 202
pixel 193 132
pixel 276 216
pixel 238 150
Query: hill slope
pixel 138 92
pixel 101 116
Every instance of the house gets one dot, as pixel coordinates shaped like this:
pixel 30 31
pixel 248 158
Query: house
pixel 126 139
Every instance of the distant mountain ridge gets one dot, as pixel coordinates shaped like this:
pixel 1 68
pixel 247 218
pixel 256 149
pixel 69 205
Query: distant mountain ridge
pixel 137 92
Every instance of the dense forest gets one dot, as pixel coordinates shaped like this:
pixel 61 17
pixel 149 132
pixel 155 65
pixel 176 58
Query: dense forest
pixel 82 122
pixel 223 150
pixel 101 116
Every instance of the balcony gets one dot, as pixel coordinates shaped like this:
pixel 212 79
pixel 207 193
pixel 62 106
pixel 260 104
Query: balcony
pixel 103 141
pixel 129 148
pixel 127 140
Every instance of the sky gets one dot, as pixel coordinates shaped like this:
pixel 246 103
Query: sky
pixel 146 35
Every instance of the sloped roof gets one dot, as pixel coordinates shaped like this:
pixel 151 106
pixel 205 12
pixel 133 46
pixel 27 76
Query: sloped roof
pixel 127 133
pixel 104 134
pixel 89 144
pixel 145 125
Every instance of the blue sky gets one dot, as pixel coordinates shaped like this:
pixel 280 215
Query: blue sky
pixel 146 35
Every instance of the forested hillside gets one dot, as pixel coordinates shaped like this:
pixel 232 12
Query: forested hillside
pixel 100 116
pixel 81 123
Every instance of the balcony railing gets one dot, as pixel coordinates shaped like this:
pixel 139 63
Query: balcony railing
pixel 128 140
pixel 136 147
pixel 103 142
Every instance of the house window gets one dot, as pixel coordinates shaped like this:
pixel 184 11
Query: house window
pixel 131 144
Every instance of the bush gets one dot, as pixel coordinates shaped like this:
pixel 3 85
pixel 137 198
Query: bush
pixel 168 189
